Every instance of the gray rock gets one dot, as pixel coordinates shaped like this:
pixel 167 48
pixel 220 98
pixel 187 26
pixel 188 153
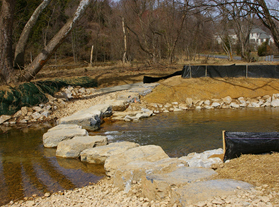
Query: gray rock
pixel 126 175
pixel 65 127
pixel 207 102
pixel 189 102
pixel 234 105
pixel 46 113
pixel 203 159
pixel 158 186
pixel 37 109
pixel 60 133
pixel 149 153
pixel 227 99
pixel 73 147
pixel 118 105
pixel 201 191
pixel 4 118
pixel 100 154
pixel 274 103
pixel 90 118
pixel 17 114
pixel 36 115
pixel 215 104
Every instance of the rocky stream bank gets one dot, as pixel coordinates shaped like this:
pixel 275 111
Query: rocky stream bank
pixel 141 175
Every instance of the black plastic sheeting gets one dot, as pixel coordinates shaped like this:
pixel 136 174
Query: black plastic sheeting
pixel 238 143
pixel 148 79
pixel 213 71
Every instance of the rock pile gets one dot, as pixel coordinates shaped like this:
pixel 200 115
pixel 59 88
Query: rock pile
pixel 222 103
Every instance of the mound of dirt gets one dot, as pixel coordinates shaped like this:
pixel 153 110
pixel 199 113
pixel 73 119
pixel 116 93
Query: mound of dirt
pixel 178 89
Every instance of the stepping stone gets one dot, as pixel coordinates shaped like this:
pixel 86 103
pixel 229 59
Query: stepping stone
pixel 202 191
pixel 126 175
pixel 149 153
pixel 90 118
pixel 100 154
pixel 62 132
pixel 158 186
pixel 73 147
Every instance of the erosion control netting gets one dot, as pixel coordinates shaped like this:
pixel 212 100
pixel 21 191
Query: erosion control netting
pixel 33 93
pixel 251 71
pixel 237 143
pixel 148 79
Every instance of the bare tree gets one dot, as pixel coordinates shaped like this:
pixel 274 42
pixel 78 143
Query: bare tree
pixel 21 45
pixel 6 29
pixel 6 22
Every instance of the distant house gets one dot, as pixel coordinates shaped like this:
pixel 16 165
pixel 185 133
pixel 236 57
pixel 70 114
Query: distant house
pixel 257 36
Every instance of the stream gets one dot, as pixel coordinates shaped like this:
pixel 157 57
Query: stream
pixel 27 168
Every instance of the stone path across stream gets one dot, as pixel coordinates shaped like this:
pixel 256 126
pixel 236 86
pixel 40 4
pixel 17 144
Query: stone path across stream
pixel 186 180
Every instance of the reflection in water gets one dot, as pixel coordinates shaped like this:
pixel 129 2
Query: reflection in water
pixel 180 133
pixel 27 168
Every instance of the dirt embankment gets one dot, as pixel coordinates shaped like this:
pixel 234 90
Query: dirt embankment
pixel 178 89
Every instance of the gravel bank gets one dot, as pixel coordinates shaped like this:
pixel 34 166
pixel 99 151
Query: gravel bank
pixel 105 194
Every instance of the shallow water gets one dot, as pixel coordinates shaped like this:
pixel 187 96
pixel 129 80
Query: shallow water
pixel 180 133
pixel 27 168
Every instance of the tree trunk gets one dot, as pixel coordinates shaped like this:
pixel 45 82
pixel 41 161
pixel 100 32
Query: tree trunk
pixel 21 45
pixel 124 58
pixel 6 29
pixel 54 43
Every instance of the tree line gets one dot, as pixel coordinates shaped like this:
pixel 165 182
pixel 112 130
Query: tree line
pixel 34 31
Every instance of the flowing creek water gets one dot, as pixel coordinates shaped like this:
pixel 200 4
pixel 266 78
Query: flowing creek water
pixel 27 168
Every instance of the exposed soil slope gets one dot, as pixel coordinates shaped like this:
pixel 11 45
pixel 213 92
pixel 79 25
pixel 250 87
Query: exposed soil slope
pixel 178 89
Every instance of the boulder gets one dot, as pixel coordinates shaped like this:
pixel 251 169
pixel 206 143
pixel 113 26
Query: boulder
pixel 205 159
pixel 149 153
pixel 4 118
pixel 118 105
pixel 63 132
pixel 158 186
pixel 215 104
pixel 18 114
pixel 100 154
pixel 24 110
pixel 133 172
pixel 207 102
pixel 274 103
pixel 131 115
pixel 73 147
pixel 205 190
pixel 227 100
pixel 234 105
pixel 189 102
pixel 90 118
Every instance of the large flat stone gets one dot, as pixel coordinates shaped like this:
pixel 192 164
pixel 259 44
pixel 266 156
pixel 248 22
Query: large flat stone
pixel 149 153
pixel 126 175
pixel 59 133
pixel 201 191
pixel 73 147
pixel 158 186
pixel 203 159
pixel 90 118
pixel 100 154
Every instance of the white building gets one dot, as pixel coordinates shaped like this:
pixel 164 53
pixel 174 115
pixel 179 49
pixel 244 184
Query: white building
pixel 257 36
